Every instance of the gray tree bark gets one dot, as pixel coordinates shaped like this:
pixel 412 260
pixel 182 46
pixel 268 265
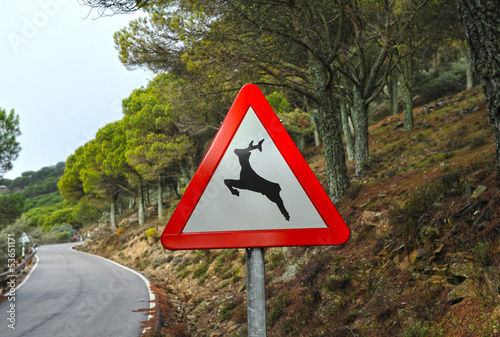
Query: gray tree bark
pixel 349 140
pixel 330 128
pixel 408 122
pixel 481 21
pixel 360 119
pixel 112 214
pixel 160 199
pixel 140 203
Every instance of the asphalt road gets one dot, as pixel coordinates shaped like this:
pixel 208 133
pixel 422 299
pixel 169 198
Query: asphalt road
pixel 75 294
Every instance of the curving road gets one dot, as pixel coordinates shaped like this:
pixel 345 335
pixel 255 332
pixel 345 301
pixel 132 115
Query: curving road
pixel 74 294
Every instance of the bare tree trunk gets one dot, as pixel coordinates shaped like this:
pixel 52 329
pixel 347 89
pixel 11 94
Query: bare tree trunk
pixel 317 140
pixel 329 122
pixel 336 169
pixel 160 199
pixel 481 19
pixel 112 213
pixel 408 122
pixel 468 71
pixel 394 92
pixel 140 203
pixel 360 119
pixel 349 140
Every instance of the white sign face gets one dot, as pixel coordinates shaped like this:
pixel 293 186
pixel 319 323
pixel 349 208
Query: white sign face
pixel 230 204
pixel 24 238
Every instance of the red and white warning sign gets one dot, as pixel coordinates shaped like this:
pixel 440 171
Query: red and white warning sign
pixel 253 188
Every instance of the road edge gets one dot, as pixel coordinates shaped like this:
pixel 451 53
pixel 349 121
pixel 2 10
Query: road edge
pixel 152 296
pixel 27 276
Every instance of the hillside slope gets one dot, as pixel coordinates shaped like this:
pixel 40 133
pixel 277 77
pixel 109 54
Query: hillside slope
pixel 423 259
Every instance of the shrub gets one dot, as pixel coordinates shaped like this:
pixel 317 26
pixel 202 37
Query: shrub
pixel 478 141
pixel 406 217
pixel 275 259
pixel 277 307
pixel 159 260
pixel 200 270
pixel 152 233
pixel 225 311
pixel 337 282
pixel 482 253
pixel 431 86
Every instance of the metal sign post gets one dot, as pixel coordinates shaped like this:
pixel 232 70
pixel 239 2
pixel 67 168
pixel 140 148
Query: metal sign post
pixel 256 292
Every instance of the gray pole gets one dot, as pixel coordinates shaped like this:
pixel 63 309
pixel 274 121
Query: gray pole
pixel 256 292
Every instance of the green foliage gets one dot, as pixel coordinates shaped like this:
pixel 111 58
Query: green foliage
pixel 431 86
pixel 297 123
pixel 70 185
pixel 200 270
pixel 221 262
pixel 279 103
pixel 45 177
pixel 152 233
pixel 59 216
pixel 11 207
pixel 45 200
pixel 83 213
pixel 49 185
pixel 226 310
pixel 155 143
pixel 63 232
pixel 48 216
pixel 9 146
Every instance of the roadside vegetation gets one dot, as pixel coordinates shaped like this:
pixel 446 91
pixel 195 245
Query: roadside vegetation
pixel 422 260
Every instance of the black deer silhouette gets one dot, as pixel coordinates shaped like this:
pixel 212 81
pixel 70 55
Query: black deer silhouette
pixel 249 180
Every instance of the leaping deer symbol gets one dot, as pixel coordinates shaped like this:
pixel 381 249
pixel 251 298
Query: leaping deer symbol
pixel 250 180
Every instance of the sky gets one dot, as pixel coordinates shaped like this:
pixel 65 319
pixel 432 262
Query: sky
pixel 60 72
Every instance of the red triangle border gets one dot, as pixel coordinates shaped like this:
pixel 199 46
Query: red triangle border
pixel 337 232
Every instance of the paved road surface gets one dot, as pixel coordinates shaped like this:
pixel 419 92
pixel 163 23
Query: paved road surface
pixel 72 294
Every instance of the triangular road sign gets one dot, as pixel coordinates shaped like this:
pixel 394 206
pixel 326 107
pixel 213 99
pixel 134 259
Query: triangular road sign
pixel 253 188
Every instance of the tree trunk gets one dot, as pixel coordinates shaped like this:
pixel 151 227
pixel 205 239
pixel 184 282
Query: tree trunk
pixel 160 199
pixel 394 93
pixel 112 213
pixel 333 148
pixel 481 19
pixel 317 140
pixel 300 141
pixel 408 123
pixel 349 140
pixel 329 123
pixel 360 119
pixel 185 175
pixel 140 203
pixel 468 71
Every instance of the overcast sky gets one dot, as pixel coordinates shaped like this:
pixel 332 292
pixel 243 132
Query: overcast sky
pixel 60 73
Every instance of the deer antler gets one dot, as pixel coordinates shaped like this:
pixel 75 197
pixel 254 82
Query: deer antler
pixel 253 147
